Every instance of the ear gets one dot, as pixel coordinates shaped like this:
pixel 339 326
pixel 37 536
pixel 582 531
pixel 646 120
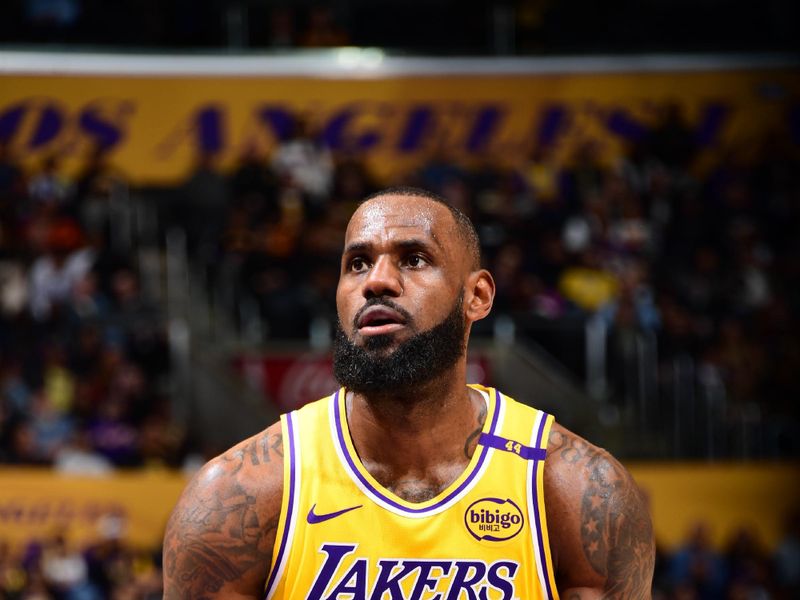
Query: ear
pixel 478 295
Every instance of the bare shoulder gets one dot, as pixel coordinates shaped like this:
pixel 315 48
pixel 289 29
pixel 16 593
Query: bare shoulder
pixel 219 539
pixel 601 535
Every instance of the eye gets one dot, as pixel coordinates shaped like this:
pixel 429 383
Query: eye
pixel 416 261
pixel 358 264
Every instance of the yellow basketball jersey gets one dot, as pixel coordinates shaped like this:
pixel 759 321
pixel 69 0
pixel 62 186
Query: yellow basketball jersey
pixel 343 536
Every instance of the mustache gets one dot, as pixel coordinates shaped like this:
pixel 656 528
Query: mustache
pixel 382 301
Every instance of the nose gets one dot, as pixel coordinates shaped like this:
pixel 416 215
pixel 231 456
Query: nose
pixel 383 279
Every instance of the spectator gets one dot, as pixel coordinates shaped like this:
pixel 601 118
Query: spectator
pixel 697 568
pixel 204 199
pixel 65 572
pixel 747 566
pixel 54 275
pixel 588 284
pixel 49 187
pixel 303 162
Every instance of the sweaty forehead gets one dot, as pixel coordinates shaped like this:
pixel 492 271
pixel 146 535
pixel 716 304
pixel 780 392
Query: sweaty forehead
pixel 392 216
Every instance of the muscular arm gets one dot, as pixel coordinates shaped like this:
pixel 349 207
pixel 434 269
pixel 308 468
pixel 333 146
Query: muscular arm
pixel 600 531
pixel 219 539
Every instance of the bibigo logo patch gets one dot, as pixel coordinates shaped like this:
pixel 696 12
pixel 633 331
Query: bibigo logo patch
pixel 493 519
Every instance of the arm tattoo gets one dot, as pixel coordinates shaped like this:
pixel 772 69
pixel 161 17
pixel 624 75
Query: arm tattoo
pixel 570 449
pixel 250 451
pixel 472 438
pixel 215 535
pixel 616 532
pixel 229 545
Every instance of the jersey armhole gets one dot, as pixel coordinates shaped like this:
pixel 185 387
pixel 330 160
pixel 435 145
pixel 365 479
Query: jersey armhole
pixel 535 485
pixel 289 504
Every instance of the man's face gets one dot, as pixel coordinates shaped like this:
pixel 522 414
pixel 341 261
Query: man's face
pixel 403 268
pixel 400 296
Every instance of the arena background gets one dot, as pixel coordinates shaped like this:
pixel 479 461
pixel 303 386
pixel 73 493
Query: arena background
pixel 174 183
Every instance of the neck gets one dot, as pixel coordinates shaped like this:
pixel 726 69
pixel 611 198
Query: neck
pixel 416 430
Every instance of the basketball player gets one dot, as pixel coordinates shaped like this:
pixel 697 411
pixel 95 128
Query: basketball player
pixel 407 482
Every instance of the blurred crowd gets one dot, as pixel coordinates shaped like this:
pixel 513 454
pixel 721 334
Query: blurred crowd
pixel 84 357
pixel 56 568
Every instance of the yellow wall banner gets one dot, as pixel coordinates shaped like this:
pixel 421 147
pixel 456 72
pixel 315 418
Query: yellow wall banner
pixel 156 125
pixel 36 503
pixel 726 497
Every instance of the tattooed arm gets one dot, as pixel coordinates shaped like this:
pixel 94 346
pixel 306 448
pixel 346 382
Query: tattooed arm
pixel 219 539
pixel 601 536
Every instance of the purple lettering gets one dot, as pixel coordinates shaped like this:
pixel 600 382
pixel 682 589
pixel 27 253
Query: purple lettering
pixel 625 126
pixel 714 117
pixel 335 133
pixel 10 121
pixel 425 580
pixel 280 120
pixel 206 124
pixel 503 584
pixel 210 129
pixel 387 582
pixel 468 574
pixel 418 123
pixel 553 122
pixel 106 131
pixel 486 124
pixel 49 123
pixel 354 582
pixel 335 552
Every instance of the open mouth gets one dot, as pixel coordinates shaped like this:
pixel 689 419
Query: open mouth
pixel 379 320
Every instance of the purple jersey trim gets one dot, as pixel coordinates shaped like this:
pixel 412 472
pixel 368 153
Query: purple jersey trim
pixel 501 443
pixel 271 581
pixel 535 494
pixel 394 504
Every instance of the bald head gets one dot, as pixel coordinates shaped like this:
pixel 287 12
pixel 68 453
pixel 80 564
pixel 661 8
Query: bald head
pixel 463 225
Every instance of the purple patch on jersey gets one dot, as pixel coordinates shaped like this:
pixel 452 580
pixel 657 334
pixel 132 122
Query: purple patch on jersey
pixel 507 445
pixel 494 519
pixel 391 502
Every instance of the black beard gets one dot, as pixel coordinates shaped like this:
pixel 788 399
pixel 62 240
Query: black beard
pixel 418 360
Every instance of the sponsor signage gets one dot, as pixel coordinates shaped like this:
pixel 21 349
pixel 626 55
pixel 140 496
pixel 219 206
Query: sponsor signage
pixel 494 519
